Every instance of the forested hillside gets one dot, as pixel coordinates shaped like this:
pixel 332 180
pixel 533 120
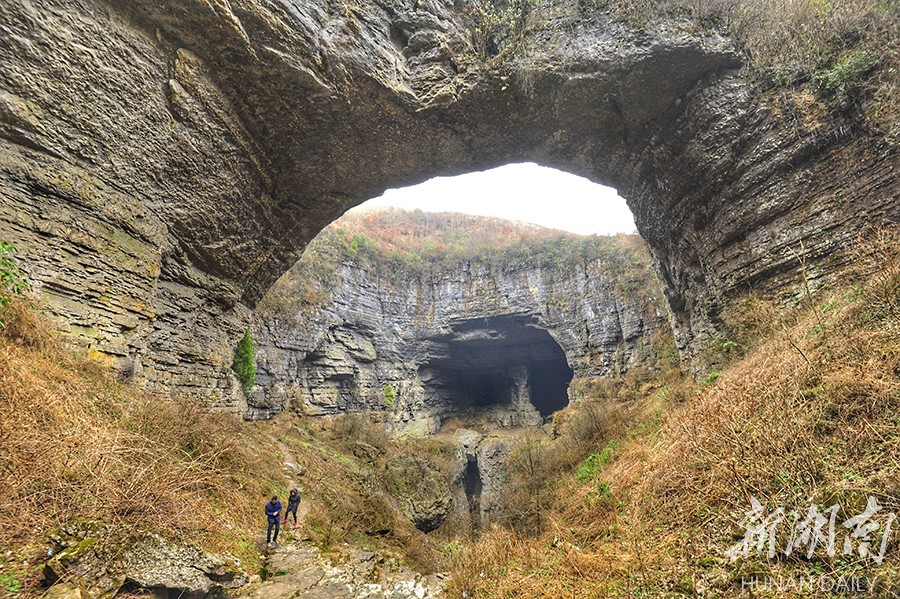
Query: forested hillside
pixel 409 244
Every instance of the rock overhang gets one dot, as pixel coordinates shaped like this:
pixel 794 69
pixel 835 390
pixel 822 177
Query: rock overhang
pixel 237 131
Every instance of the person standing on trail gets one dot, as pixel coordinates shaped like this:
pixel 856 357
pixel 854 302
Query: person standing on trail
pixel 273 511
pixel 293 504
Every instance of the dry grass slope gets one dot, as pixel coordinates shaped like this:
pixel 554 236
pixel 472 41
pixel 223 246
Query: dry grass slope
pixel 804 411
pixel 75 444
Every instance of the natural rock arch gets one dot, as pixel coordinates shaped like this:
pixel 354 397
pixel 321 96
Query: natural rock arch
pixel 163 162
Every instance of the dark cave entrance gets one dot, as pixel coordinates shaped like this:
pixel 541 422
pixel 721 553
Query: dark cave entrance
pixel 502 363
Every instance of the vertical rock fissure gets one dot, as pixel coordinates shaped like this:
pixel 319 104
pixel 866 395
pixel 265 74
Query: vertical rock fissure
pixel 473 485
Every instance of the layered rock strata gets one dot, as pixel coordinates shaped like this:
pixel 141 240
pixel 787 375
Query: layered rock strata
pixel 163 162
pixel 465 342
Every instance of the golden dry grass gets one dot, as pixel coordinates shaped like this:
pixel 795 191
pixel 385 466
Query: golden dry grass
pixel 75 444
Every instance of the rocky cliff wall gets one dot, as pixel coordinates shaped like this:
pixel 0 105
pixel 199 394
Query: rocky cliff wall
pixel 428 344
pixel 163 162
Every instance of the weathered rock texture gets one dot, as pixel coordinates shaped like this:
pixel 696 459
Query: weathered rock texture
pixel 162 162
pixel 100 562
pixel 299 570
pixel 457 341
pixel 420 490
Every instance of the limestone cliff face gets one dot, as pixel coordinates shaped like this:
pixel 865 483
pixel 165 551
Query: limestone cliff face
pixel 162 162
pixel 453 341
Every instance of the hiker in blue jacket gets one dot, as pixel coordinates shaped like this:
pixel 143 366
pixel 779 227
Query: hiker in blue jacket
pixel 273 511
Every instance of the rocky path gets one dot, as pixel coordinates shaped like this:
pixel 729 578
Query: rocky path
pixel 291 468
pixel 296 568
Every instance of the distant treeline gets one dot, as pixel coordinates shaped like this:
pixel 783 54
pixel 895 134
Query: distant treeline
pixel 412 244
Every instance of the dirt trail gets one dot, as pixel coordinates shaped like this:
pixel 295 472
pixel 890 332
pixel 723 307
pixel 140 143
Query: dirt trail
pixel 296 568
pixel 291 468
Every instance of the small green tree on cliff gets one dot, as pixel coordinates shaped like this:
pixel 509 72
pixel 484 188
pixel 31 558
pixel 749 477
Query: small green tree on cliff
pixel 13 280
pixel 244 365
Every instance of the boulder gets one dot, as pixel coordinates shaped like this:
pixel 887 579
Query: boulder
pixel 153 562
pixel 100 560
pixel 63 590
pixel 423 494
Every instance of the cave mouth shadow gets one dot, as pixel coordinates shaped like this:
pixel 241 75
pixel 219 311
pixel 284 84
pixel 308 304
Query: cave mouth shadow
pixel 473 486
pixel 501 362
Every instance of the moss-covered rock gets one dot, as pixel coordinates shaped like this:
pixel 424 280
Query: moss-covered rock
pixel 99 565
pixel 87 564
pixel 422 492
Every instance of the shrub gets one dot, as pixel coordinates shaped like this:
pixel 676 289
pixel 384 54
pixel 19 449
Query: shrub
pixel 244 365
pixel 390 396
pixel 498 25
pixel 710 378
pixel 349 429
pixel 595 422
pixel 847 71
pixel 526 498
pixel 588 468
pixel 606 456
pixel 13 280
pixel 877 261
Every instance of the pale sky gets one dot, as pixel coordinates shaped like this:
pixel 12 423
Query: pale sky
pixel 521 192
